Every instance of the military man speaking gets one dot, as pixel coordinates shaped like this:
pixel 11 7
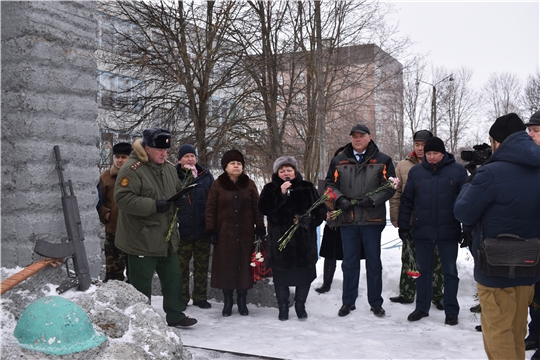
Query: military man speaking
pixel 142 188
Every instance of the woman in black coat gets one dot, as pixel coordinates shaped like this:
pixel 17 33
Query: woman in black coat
pixel 286 198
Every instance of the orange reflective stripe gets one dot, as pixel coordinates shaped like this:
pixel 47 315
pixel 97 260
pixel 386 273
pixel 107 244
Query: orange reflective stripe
pixel 336 176
pixel 384 172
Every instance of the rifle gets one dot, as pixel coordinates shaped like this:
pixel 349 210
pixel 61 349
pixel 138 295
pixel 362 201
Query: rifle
pixel 73 250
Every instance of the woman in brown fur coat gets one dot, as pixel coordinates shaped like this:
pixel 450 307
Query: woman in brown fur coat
pixel 232 221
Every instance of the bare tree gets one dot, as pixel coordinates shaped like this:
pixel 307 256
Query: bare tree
pixel 501 95
pixel 531 96
pixel 186 65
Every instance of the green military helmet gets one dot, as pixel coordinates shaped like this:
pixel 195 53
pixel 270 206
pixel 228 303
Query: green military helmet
pixel 56 326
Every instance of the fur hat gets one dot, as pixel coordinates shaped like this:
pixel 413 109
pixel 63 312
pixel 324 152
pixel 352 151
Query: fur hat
pixel 434 144
pixel 285 160
pixel 186 149
pixel 232 155
pixel 360 128
pixel 156 138
pixel 122 148
pixel 504 126
pixel 534 120
pixel 422 135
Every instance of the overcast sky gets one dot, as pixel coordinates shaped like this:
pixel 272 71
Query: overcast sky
pixel 487 36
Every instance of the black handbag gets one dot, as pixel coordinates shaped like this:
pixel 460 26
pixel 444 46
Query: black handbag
pixel 510 256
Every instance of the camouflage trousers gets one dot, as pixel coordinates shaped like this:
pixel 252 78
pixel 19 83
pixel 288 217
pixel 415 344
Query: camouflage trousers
pixel 199 250
pixel 115 260
pixel 407 285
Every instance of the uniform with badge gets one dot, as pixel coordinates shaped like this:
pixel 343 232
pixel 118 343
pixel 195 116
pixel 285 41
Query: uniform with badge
pixel 141 192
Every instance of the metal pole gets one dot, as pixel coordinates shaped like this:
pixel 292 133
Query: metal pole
pixel 434 111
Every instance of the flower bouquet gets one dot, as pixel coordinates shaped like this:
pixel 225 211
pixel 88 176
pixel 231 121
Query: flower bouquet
pixel 191 175
pixel 328 195
pixel 391 183
pixel 413 270
pixel 258 267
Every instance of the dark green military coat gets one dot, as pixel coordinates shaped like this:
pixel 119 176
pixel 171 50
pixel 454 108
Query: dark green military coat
pixel 140 182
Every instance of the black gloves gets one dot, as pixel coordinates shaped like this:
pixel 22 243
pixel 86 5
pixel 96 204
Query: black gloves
pixel 344 204
pixel 304 220
pixel 405 235
pixel 162 206
pixel 260 233
pixel 466 239
pixel 211 237
pixel 365 202
pixel 180 203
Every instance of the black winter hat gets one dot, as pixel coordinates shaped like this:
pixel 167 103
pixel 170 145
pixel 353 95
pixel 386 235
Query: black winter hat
pixel 156 138
pixel 232 155
pixel 506 125
pixel 534 120
pixel 434 144
pixel 422 135
pixel 186 149
pixel 122 148
pixel 361 128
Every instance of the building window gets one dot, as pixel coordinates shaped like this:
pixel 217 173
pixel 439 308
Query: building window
pixel 120 92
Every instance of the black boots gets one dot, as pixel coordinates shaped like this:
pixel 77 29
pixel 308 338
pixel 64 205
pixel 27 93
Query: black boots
pixel 300 301
pixel 227 302
pixel 282 295
pixel 241 302
pixel 328 276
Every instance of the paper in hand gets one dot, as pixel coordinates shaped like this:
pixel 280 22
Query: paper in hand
pixel 182 192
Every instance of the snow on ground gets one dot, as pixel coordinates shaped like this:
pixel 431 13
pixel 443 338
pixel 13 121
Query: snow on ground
pixel 360 335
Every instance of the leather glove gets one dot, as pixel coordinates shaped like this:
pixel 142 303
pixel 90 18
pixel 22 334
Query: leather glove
pixel 366 202
pixel 304 220
pixel 260 233
pixel 466 239
pixel 344 204
pixel 211 238
pixel 180 203
pixel 162 206
pixel 405 235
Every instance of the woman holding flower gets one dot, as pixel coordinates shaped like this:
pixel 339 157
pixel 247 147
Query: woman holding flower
pixel 232 221
pixel 285 201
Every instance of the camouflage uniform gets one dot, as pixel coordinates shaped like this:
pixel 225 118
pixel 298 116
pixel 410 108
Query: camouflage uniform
pixel 115 260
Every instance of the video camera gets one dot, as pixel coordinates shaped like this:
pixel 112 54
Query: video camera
pixel 478 156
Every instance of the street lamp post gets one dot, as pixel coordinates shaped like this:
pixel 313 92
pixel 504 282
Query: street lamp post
pixel 434 101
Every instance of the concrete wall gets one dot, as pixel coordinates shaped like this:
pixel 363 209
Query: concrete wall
pixel 49 92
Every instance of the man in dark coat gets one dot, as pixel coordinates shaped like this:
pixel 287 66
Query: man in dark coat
pixel 431 190
pixel 191 223
pixel 361 168
pixel 503 197
pixel 115 259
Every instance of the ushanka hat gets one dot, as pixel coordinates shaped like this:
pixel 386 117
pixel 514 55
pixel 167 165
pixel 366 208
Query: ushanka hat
pixel 156 138
pixel 122 148
pixel 285 160
pixel 232 155
pixel 506 125
pixel 434 144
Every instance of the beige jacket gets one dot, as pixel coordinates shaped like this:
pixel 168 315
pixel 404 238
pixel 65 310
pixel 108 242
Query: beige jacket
pixel 402 173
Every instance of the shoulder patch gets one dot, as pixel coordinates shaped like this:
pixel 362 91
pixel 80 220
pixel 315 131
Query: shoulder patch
pixel 124 181
pixel 135 166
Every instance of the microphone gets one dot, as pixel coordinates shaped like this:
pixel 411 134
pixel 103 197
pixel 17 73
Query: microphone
pixel 289 189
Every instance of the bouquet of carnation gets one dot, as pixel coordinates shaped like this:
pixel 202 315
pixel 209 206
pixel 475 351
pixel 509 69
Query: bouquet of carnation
pixel 258 267
pixel 392 183
pixel 191 175
pixel 328 195
pixel 413 270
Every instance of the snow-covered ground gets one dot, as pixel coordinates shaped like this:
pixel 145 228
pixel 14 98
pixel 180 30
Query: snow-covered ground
pixel 360 335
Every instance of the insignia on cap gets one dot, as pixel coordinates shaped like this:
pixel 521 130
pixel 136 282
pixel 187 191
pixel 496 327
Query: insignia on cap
pixel 124 182
pixel 166 141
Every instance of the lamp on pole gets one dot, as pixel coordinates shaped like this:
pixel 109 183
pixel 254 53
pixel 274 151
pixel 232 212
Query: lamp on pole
pixel 434 100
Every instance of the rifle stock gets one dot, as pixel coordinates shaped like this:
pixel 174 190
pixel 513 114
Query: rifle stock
pixel 74 249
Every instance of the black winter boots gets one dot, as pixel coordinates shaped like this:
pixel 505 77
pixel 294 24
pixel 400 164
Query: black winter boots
pixel 328 275
pixel 227 302
pixel 300 301
pixel 241 302
pixel 282 295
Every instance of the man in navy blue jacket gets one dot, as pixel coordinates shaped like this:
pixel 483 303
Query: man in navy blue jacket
pixel 504 197
pixel 428 198
pixel 191 224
